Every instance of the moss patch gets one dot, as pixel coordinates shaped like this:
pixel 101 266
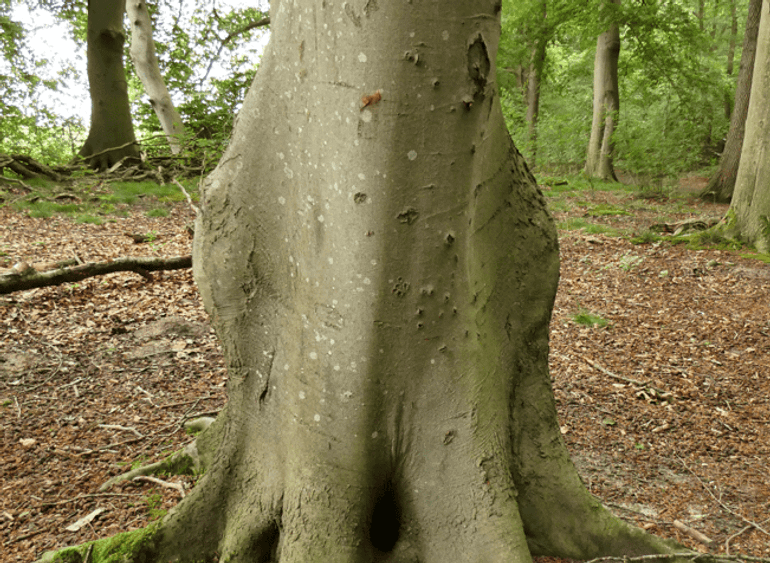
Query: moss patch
pixel 129 547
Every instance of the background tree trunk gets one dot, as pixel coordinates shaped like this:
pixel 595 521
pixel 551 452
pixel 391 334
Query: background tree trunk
pixel 606 105
pixel 731 55
pixel 110 111
pixel 532 77
pixel 750 209
pixel 146 64
pixel 533 89
pixel 721 185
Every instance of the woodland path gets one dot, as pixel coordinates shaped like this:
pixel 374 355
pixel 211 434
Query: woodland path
pixel 666 409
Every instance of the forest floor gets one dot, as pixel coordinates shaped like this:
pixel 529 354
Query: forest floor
pixel 659 357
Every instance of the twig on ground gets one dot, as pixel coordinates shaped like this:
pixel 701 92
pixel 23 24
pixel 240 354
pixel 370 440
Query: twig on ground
pixel 722 504
pixel 124 428
pixel 88 495
pixel 189 199
pixel 735 535
pixel 663 393
pixel 160 482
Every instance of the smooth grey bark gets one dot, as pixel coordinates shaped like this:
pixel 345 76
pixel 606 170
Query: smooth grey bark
pixel 380 267
pixel 147 68
pixel 111 135
pixel 606 105
pixel 749 214
pixel 722 183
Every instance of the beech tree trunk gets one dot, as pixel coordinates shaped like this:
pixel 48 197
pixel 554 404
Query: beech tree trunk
pixel 722 183
pixel 606 105
pixel 146 64
pixel 380 267
pixel 749 214
pixel 111 136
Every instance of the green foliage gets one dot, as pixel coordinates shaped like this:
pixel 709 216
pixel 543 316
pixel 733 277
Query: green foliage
pixel 95 204
pixel 672 81
pixel 206 59
pixel 605 209
pixel 762 257
pixel 187 50
pixel 647 237
pixel 585 318
pixel 578 223
pixel 710 238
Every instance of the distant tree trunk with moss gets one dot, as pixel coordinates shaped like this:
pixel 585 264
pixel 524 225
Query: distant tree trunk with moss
pixel 111 135
pixel 381 268
pixel 148 70
pixel 749 215
pixel 722 183
pixel 606 104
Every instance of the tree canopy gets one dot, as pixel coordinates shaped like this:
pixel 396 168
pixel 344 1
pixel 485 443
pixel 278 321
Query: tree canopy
pixel 676 76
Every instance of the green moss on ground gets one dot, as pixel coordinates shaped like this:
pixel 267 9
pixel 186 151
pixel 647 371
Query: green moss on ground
pixel 129 547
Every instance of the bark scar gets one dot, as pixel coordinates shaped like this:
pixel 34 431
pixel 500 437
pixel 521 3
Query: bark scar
pixel 266 387
pixel 371 99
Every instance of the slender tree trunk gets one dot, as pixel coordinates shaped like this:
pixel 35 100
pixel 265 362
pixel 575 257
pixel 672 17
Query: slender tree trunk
pixel 721 185
pixel 146 63
pixel 731 54
pixel 111 136
pixel 606 105
pixel 749 215
pixel 533 91
pixel 381 268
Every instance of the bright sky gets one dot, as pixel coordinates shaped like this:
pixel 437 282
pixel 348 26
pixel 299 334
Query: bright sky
pixel 49 39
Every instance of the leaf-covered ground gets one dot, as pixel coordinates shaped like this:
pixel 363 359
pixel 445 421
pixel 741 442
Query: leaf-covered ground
pixel 663 396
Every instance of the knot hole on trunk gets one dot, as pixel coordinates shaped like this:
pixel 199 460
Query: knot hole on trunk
pixel 386 520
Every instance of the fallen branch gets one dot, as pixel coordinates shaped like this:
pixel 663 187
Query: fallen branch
pixel 23 276
pixel 693 533
pixel 27 167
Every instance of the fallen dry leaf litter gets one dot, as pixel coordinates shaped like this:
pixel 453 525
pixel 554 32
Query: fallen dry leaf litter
pixel 665 409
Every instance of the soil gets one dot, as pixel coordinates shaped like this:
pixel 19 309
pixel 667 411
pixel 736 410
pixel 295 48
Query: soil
pixel 665 408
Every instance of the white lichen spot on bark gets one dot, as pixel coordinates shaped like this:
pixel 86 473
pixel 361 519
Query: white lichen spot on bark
pixel 282 200
pixel 375 434
pixel 445 35
pixel 362 57
pixel 317 417
pixel 313 356
pixel 366 116
pixel 302 395
pixel 412 154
